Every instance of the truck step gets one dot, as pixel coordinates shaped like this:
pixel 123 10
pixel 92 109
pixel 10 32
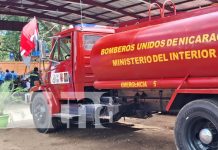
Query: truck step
pixel 66 116
pixel 105 117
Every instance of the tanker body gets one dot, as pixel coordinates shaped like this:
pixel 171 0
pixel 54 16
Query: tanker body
pixel 166 66
pixel 161 55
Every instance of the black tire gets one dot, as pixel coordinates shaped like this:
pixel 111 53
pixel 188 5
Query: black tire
pixel 42 118
pixel 193 118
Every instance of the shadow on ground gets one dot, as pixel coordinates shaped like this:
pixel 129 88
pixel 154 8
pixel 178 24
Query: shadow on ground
pixel 148 135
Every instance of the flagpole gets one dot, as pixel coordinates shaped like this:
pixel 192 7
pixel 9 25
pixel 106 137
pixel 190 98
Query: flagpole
pixel 25 70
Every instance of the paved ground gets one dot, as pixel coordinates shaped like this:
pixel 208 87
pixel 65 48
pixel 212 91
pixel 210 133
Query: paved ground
pixel 135 134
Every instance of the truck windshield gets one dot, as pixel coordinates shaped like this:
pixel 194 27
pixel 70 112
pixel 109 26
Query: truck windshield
pixel 62 48
pixel 89 41
pixel 65 45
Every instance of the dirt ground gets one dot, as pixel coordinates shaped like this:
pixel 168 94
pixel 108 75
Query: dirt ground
pixel 134 134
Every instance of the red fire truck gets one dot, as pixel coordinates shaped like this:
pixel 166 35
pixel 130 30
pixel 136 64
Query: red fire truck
pixel 165 64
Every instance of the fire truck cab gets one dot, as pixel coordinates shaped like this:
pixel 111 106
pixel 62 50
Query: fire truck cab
pixel 67 83
pixel 69 69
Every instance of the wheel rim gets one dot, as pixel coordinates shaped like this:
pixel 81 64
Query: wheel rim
pixel 40 113
pixel 202 134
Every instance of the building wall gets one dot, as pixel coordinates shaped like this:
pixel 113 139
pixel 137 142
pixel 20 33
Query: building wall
pixel 18 67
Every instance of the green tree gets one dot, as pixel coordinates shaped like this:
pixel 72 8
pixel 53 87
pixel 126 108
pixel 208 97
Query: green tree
pixel 10 40
pixel 10 44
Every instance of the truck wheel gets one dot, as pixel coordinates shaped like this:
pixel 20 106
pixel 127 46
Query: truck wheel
pixel 197 126
pixel 42 118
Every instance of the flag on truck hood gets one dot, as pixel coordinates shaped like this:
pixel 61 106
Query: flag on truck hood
pixel 28 36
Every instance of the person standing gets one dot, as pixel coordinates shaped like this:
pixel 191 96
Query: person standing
pixel 2 76
pixel 14 75
pixel 8 75
pixel 34 76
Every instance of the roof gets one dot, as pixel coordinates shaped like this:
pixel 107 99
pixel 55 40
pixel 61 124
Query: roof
pixel 102 12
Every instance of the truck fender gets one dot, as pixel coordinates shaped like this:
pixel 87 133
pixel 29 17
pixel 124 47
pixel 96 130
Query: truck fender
pixel 182 97
pixel 52 102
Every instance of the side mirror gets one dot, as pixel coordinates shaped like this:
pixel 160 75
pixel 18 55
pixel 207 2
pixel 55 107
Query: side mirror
pixel 42 49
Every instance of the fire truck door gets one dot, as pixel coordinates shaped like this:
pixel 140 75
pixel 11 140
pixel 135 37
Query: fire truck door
pixel 61 72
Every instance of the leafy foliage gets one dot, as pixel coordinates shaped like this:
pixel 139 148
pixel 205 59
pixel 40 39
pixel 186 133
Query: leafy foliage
pixel 10 40
pixel 10 94
pixel 5 93
pixel 10 43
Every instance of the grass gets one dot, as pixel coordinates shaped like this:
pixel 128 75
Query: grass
pixel 5 94
pixel 9 95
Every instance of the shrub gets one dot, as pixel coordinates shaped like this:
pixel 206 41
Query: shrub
pixel 5 93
